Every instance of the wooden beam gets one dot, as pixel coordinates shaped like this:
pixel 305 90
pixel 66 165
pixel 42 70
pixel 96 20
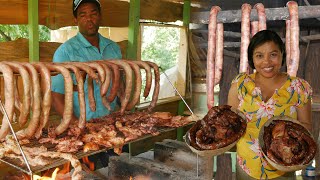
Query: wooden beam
pixel 195 3
pixel 161 11
pixel 310 37
pixel 225 33
pixel 33 22
pixel 204 44
pixel 58 13
pixel 225 44
pixel 232 16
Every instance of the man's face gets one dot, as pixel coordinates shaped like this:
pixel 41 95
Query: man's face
pixel 88 19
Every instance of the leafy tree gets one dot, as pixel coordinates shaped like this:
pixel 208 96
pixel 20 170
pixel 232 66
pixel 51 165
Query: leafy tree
pixel 13 32
pixel 161 45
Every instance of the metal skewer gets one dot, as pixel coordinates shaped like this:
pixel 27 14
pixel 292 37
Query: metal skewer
pixel 15 137
pixel 176 90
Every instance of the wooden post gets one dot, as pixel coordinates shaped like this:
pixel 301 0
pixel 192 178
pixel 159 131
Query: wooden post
pixel 134 17
pixel 183 56
pixel 33 22
pixel 180 130
pixel 186 13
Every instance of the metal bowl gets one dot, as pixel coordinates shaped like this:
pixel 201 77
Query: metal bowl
pixel 273 163
pixel 218 151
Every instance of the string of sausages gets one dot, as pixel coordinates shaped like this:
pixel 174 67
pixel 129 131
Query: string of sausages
pixel 292 39
pixel 36 80
pixel 214 54
pixel 248 29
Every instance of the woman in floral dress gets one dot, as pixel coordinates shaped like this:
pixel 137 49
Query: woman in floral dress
pixel 262 95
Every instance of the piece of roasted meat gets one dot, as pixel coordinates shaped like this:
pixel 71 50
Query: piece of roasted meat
pixel 288 143
pixel 219 128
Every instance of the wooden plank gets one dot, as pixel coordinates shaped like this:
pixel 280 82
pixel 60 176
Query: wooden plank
pixel 14 50
pixel 14 12
pixel 182 62
pixel 47 50
pixel 18 50
pixel 161 11
pixel 224 169
pixel 232 16
pixel 58 13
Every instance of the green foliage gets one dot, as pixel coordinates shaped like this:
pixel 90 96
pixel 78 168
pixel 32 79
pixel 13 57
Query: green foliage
pixel 161 45
pixel 13 32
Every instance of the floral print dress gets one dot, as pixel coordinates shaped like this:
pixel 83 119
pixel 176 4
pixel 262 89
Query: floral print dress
pixel 294 93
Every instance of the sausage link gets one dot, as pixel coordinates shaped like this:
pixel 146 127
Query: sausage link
pixel 138 82
pixel 288 42
pixel 92 101
pixel 98 68
pixel 219 54
pixel 24 107
pixel 147 69
pixel 36 106
pixel 245 37
pixel 17 101
pixel 211 55
pixel 261 15
pixel 156 90
pixel 294 37
pixel 115 82
pixel 254 27
pixel 128 76
pixel 80 86
pixel 9 98
pixel 105 85
pixel 68 97
pixel 47 99
pixel 89 70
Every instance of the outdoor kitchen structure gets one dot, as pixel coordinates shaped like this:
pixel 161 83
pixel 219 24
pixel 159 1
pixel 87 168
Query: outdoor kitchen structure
pixel 152 133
